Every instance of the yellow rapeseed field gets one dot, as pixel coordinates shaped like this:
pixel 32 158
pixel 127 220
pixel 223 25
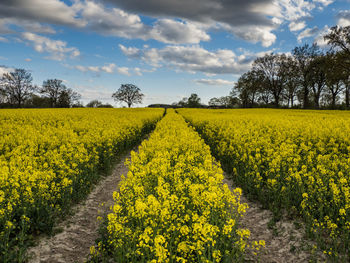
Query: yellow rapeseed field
pixel 293 161
pixel 49 158
pixel 172 206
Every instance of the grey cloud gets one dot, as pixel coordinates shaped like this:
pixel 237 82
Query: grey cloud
pixel 192 59
pixel 232 12
pixel 117 22
pixel 249 20
pixel 47 11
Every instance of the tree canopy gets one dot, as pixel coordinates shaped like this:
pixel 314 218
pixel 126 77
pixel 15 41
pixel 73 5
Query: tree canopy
pixel 129 94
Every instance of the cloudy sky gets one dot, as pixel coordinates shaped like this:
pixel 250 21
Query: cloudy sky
pixel 168 48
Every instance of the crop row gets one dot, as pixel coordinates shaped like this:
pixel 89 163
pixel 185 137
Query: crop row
pixel 49 159
pixel 173 206
pixel 292 161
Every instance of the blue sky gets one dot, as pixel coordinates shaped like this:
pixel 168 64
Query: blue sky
pixel 168 48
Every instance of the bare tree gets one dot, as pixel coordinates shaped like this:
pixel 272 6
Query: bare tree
pixel 52 89
pixel 317 77
pixel 339 37
pixel 304 56
pixel 333 78
pixel 68 98
pixel 128 93
pixel 291 80
pixel 248 86
pixel 17 86
pixel 272 68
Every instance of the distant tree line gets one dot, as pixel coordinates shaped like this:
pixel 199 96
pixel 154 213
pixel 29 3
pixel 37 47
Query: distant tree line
pixel 308 78
pixel 18 91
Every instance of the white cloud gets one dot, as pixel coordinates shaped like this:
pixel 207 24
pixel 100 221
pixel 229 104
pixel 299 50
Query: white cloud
pixel 108 68
pixel 297 25
pixel 3 39
pixel 293 10
pixel 124 71
pixel 308 32
pixel 111 68
pixel 256 34
pixel 57 49
pixel 344 18
pixel 324 2
pixel 193 59
pixel 319 39
pixel 94 93
pixel 4 70
pixel 214 82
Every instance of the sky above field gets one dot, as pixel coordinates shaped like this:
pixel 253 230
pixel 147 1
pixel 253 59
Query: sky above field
pixel 168 48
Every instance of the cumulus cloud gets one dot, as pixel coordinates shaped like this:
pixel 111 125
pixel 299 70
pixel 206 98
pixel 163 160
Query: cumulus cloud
pixel 238 17
pixel 117 22
pixel 308 32
pixel 214 82
pixel 324 2
pixel 258 34
pixel 57 49
pixel 192 59
pixel 110 68
pixel 46 11
pixel 344 18
pixel 319 39
pixel 175 22
pixel 4 70
pixel 297 25
pixel 234 13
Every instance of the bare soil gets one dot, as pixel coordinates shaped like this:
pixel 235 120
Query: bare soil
pixel 80 230
pixel 285 240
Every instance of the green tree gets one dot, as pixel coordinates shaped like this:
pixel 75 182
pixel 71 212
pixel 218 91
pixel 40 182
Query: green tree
pixel 194 101
pixel 94 104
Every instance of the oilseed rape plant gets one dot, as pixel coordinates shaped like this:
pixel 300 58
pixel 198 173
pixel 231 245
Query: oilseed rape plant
pixel 50 158
pixel 292 161
pixel 173 206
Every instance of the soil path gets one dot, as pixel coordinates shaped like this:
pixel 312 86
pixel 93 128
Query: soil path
pixel 285 243
pixel 81 229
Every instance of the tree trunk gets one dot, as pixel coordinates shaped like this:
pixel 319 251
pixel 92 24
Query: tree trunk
pixel 317 100
pixel 306 97
pixel 347 97
pixel 334 96
pixel 129 104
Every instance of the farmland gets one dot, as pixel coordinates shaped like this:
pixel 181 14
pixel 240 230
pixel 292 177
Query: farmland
pixel 294 162
pixel 172 204
pixel 50 159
